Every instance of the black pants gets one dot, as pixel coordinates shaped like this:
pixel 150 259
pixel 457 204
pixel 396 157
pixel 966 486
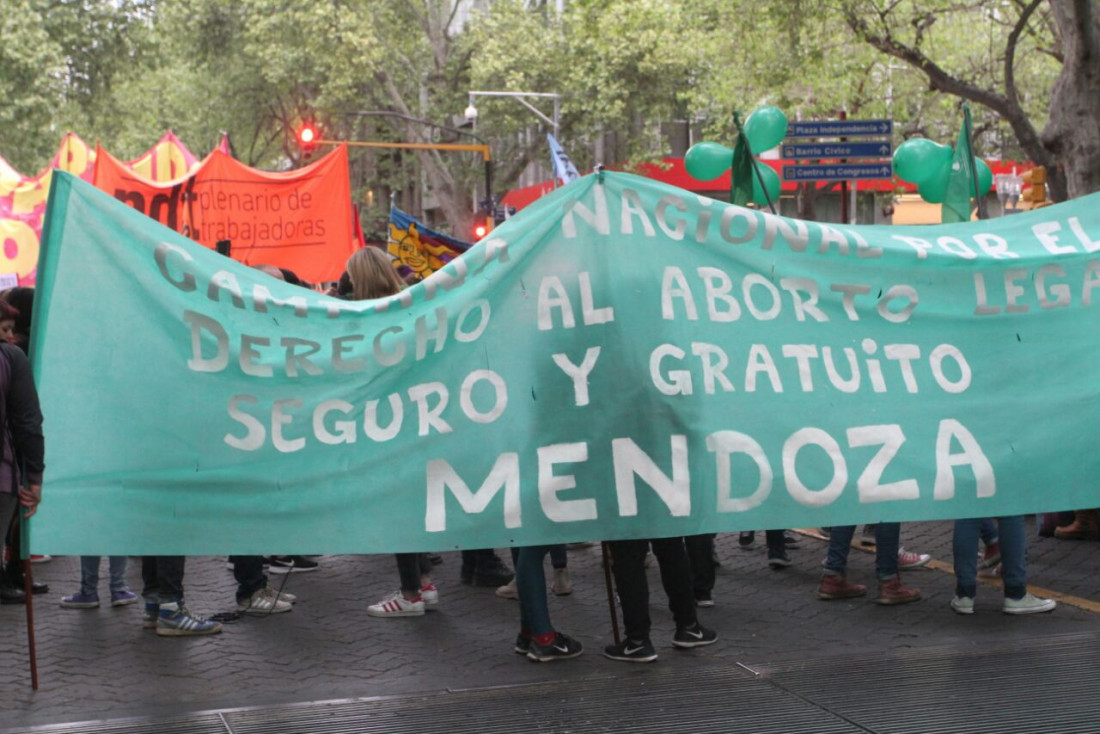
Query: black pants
pixel 700 550
pixel 410 566
pixel 628 565
pixel 163 579
pixel 249 574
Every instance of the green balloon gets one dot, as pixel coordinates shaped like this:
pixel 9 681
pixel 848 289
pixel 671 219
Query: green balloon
pixel 706 161
pixel 919 160
pixel 985 176
pixel 771 185
pixel 934 188
pixel 765 129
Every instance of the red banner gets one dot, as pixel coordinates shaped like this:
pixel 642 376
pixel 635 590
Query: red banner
pixel 299 220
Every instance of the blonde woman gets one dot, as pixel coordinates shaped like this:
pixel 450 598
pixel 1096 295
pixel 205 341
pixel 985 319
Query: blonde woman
pixel 372 275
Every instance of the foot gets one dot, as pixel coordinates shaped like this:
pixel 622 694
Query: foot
pixel 562 647
pixel 963 604
pixel 907 560
pixel 280 595
pixel 694 636
pixel 292 564
pixel 631 651
pixel 396 605
pixel 1028 604
pixel 779 559
pixel 429 593
pixel 523 644
pixel 834 586
pixel 562 584
pixel 123 598
pixel 704 599
pixel 261 603
pixel 80 600
pixel 508 590
pixel 491 572
pixel 149 616
pixel 746 539
pixel 892 591
pixel 174 620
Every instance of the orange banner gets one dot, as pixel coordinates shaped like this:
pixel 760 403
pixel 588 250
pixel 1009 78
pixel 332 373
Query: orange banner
pixel 299 220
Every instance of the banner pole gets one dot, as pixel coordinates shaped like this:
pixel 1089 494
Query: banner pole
pixel 28 589
pixel 610 590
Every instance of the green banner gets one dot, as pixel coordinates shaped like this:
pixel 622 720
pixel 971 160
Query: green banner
pixel 621 359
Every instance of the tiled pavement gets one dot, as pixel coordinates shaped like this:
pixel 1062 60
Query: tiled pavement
pixel 100 664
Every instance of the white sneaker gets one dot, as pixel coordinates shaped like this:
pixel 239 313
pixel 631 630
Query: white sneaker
pixel 429 593
pixel 508 591
pixel 396 605
pixel 1029 604
pixel 280 595
pixel 262 603
pixel 562 585
pixel 963 604
pixel 912 560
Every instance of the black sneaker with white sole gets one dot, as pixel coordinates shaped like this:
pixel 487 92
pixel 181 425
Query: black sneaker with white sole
pixel 696 636
pixel 291 564
pixel 523 644
pixel 562 648
pixel 631 651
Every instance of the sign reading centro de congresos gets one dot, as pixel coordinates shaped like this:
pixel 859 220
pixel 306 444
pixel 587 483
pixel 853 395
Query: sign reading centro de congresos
pixel 622 359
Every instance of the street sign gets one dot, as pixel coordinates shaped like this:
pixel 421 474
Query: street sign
pixel 840 128
pixel 837 150
pixel 838 171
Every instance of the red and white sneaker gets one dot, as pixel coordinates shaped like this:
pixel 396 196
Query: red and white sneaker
pixel 396 605
pixel 429 593
pixel 909 560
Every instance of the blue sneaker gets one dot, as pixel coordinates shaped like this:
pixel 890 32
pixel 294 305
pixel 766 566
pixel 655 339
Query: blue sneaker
pixel 80 600
pixel 174 620
pixel 123 598
pixel 149 616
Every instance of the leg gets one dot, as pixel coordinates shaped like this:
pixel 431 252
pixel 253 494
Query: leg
pixel 964 547
pixel 249 574
pixel 534 614
pixel 672 559
pixel 1013 555
pixel 700 553
pixel 840 544
pixel 169 572
pixel 558 558
pixel 777 548
pixel 628 567
pixel 887 540
pixel 89 575
pixel 408 569
pixel 150 588
pixel 117 566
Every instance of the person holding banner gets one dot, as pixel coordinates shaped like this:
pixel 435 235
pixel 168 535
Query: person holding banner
pixel 1013 551
pixel 373 276
pixel 835 585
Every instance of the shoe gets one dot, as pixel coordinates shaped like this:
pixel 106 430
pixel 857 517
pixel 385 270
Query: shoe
pixel 991 557
pixel 704 599
pixel 174 620
pixel 508 590
pixel 123 598
pixel 562 648
pixel 562 585
pixel 492 572
pixel 746 539
pixel 396 605
pixel 80 600
pixel 292 564
pixel 907 560
pixel 12 595
pixel 429 593
pixel 149 616
pixel 790 540
pixel 261 603
pixel 41 559
pixel 280 595
pixel 696 636
pixel 963 604
pixel 1083 527
pixel 523 644
pixel 631 651
pixel 892 591
pixel 834 586
pixel 39 588
pixel 779 560
pixel 1028 604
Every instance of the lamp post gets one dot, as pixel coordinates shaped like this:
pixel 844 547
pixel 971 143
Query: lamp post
pixel 521 97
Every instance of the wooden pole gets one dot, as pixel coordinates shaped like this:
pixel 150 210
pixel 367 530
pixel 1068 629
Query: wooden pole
pixel 28 590
pixel 610 591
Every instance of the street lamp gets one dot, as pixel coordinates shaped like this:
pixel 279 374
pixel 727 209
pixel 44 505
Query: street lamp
pixel 521 97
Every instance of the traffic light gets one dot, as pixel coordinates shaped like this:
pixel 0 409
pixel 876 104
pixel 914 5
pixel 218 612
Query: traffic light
pixel 307 139
pixel 1035 195
pixel 482 228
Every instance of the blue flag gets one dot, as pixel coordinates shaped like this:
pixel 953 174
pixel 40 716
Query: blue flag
pixel 563 166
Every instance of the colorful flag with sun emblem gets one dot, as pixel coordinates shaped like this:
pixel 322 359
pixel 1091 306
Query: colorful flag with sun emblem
pixel 419 249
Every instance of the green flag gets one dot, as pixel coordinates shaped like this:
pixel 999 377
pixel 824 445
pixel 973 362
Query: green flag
pixel 741 174
pixel 960 185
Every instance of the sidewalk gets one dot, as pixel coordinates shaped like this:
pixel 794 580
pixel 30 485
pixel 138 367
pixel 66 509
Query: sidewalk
pixel 100 664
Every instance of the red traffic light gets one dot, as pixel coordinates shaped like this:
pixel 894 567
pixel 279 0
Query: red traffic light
pixel 306 135
pixel 480 230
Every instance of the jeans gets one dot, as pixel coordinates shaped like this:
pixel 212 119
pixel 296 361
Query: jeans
pixel 534 614
pixel 989 531
pixel 163 579
pixel 1013 556
pixel 558 558
pixel 410 567
pixel 89 574
pixel 249 574
pixel 633 587
pixel 887 540
pixel 700 550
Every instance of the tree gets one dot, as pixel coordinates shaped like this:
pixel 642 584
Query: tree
pixel 1056 41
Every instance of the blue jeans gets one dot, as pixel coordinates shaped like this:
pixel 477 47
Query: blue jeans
pixel 89 574
pixel 1013 556
pixel 534 615
pixel 887 540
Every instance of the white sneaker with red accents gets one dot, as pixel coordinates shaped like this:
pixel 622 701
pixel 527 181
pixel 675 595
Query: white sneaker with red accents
pixel 909 560
pixel 429 593
pixel 396 605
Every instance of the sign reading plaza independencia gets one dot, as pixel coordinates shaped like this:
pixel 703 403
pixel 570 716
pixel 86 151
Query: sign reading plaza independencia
pixel 622 359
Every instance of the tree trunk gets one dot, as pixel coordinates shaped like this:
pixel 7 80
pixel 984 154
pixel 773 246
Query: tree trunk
pixel 1072 134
